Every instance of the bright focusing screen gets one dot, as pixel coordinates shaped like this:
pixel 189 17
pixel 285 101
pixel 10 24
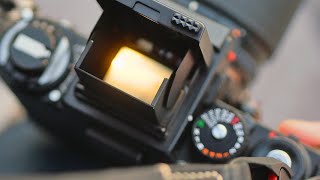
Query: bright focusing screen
pixel 136 74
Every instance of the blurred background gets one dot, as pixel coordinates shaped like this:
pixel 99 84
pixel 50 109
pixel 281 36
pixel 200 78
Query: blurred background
pixel 287 87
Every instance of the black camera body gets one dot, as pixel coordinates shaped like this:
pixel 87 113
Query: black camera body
pixel 167 108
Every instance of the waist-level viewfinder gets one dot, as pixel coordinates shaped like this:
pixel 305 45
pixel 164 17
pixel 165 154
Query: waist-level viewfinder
pixel 142 60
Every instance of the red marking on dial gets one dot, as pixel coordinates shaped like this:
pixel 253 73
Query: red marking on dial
pixel 232 56
pixel 212 154
pixel 219 155
pixel 272 134
pixel 226 154
pixel 272 176
pixel 205 151
pixel 235 121
pixel 236 33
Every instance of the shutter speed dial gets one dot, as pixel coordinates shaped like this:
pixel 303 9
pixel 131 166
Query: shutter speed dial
pixel 37 53
pixel 42 53
pixel 219 134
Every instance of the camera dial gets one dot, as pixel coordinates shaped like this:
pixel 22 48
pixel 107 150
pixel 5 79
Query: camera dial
pixel 36 52
pixel 32 48
pixel 287 151
pixel 219 134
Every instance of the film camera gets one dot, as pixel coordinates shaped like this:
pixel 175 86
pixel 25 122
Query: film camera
pixel 155 82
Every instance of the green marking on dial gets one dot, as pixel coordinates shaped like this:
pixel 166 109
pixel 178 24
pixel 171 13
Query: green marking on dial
pixel 201 123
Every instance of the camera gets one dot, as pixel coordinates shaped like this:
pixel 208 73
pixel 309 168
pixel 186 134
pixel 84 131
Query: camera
pixel 155 82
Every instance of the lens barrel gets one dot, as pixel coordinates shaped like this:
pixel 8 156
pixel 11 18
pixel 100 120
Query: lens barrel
pixel 265 22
